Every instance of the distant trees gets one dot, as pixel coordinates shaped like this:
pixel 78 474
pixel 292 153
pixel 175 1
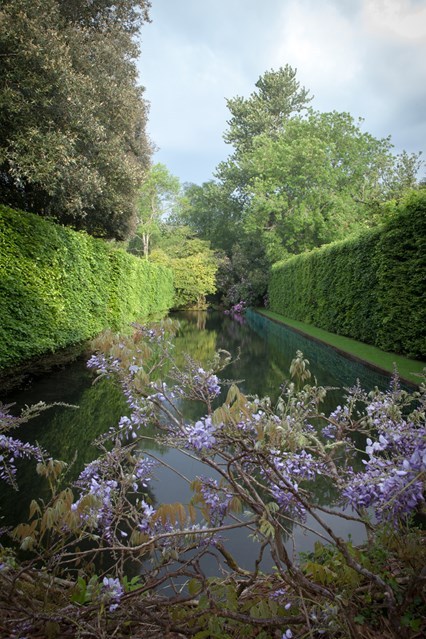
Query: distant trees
pixel 163 237
pixel 158 197
pixel 193 263
pixel 72 123
pixel 297 179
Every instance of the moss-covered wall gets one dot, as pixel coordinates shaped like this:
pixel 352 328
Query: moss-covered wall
pixel 59 287
pixel 371 288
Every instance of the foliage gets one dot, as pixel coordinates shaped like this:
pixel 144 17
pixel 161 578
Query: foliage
pixel 320 180
pixel 72 124
pixel 400 264
pixel 59 287
pixel 278 97
pixel 262 462
pixel 296 179
pixel 158 196
pixel 213 213
pixel 369 287
pixel 245 274
pixel 193 263
pixel 194 278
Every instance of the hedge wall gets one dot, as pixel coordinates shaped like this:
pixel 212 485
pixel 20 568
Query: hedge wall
pixel 371 288
pixel 59 287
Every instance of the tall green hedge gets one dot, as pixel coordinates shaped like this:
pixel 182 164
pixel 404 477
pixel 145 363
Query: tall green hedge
pixel 371 288
pixel 59 287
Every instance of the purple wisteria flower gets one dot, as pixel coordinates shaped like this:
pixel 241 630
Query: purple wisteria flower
pixel 216 498
pixel 291 469
pixel 12 449
pixel 99 512
pixel 112 591
pixel 103 365
pixel 329 431
pixel 142 472
pixel 208 381
pixel 393 481
pixel 147 512
pixel 98 480
pixel 201 434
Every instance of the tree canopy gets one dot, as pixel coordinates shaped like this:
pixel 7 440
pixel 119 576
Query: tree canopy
pixel 192 261
pixel 158 197
pixel 72 124
pixel 296 179
pixel 278 97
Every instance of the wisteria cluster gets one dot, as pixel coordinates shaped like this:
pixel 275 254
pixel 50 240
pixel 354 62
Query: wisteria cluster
pixel 207 380
pixel 201 435
pixel 392 482
pixel 112 591
pixel 264 460
pixel 289 469
pixel 99 480
pixel 12 449
pixel 339 422
pixel 104 365
pixel 196 383
pixel 216 498
pixel 98 513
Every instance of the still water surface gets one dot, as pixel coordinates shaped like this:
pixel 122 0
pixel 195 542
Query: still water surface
pixel 265 351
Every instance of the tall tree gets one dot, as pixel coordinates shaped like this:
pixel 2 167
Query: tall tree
pixel 159 196
pixel 213 212
pixel 278 97
pixel 72 124
pixel 319 180
pixel 296 179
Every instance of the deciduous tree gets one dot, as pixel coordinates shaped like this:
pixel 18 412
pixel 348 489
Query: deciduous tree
pixel 72 125
pixel 159 197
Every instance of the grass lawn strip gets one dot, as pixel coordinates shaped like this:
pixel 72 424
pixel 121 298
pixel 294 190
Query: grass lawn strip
pixel 408 369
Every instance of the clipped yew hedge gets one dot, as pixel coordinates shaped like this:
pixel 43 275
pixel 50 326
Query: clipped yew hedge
pixel 59 287
pixel 371 288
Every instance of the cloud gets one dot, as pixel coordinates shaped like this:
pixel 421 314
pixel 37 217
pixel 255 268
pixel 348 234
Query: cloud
pixel 190 100
pixel 362 59
pixel 367 57
pixel 188 74
pixel 400 19
pixel 320 41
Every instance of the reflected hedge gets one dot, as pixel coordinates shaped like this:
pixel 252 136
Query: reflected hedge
pixel 59 287
pixel 370 288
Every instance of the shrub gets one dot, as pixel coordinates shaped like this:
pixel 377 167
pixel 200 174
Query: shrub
pixel 369 288
pixel 59 287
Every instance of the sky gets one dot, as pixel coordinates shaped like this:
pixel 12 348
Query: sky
pixel 366 57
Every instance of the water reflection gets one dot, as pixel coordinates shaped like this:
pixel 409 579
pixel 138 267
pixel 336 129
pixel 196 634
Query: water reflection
pixel 263 352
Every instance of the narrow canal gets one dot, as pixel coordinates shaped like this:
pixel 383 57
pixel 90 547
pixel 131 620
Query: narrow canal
pixel 263 351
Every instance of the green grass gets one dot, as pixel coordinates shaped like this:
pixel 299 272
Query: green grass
pixel 408 369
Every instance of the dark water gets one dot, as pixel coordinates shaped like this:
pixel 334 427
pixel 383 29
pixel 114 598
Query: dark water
pixel 265 352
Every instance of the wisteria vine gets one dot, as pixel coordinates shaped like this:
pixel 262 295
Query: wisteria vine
pixel 261 461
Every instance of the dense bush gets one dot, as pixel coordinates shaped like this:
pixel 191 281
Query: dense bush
pixel 370 288
pixel 59 287
pixel 401 270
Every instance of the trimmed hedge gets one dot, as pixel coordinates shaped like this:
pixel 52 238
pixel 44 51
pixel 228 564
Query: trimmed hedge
pixel 371 288
pixel 59 287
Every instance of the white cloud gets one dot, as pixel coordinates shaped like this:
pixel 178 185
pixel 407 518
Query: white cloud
pixel 321 42
pixel 367 57
pixel 400 19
